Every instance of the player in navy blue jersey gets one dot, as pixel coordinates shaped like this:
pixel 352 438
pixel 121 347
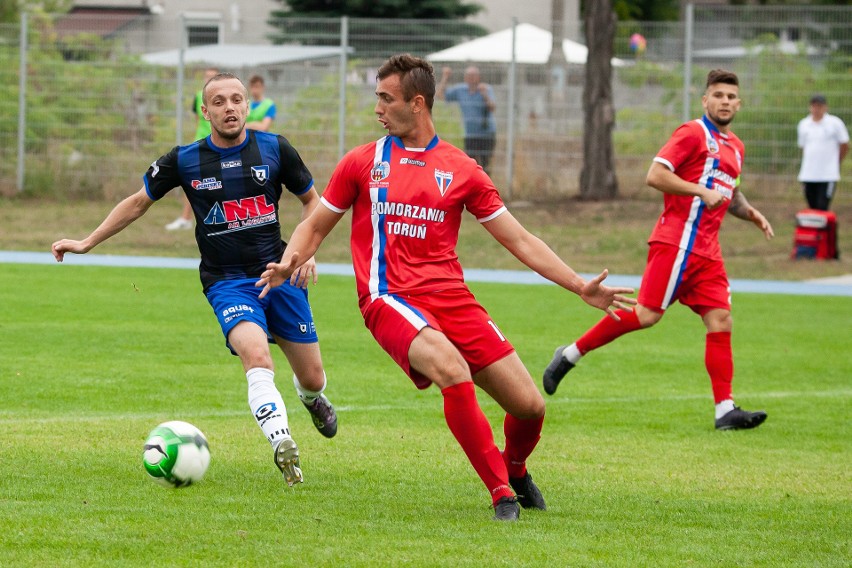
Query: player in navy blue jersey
pixel 233 180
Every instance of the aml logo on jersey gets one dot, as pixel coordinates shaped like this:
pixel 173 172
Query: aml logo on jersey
pixel 241 214
pixel 443 179
pixel 412 162
pixel 260 174
pixel 206 183
pixel 380 171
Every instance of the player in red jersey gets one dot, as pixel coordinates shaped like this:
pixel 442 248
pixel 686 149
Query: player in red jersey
pixel 407 193
pixel 698 171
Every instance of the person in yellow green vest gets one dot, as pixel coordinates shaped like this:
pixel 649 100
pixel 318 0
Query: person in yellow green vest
pixel 202 130
pixel 202 127
pixel 261 109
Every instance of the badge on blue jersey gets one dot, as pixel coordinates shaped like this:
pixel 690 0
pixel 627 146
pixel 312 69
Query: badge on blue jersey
pixel 260 174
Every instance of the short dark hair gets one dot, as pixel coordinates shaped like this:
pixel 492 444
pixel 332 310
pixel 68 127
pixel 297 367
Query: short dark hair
pixel 818 100
pixel 254 79
pixel 722 76
pixel 213 79
pixel 416 76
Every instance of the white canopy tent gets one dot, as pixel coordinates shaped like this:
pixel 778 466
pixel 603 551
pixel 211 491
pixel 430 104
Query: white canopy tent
pixel 532 46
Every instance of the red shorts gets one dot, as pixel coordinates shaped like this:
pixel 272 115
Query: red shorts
pixel 396 320
pixel 695 281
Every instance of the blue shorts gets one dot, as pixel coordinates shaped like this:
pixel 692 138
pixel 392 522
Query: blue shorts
pixel 284 311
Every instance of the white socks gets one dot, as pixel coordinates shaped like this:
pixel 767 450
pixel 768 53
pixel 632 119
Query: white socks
pixel 305 395
pixel 724 407
pixel 572 354
pixel 267 405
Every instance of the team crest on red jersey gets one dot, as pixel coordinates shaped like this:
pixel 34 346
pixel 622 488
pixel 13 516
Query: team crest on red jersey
pixel 443 179
pixel 380 171
pixel 712 145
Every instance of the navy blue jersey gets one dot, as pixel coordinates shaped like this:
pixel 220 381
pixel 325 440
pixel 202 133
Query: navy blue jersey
pixel 234 193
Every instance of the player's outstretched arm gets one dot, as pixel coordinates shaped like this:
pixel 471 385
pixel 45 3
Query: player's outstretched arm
pixel 741 209
pixel 127 211
pixel 534 253
pixel 605 298
pixel 303 244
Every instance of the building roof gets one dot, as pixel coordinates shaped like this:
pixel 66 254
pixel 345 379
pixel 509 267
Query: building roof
pixel 239 55
pixel 104 21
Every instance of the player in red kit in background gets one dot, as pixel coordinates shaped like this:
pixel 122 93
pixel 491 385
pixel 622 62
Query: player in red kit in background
pixel 407 193
pixel 698 171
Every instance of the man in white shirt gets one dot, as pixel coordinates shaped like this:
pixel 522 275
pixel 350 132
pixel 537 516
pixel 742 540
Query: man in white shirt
pixel 824 141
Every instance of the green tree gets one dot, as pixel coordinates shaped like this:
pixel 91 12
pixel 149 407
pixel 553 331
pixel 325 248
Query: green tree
pixel 10 10
pixel 647 10
pixel 370 33
pixel 642 10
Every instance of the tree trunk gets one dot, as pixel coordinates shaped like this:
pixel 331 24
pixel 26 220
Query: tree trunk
pixel 597 180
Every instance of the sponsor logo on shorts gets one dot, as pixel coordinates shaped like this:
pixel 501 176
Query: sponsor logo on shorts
pixel 305 327
pixel 233 312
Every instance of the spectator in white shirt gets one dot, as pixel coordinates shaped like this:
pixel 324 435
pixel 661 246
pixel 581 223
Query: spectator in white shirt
pixel 824 141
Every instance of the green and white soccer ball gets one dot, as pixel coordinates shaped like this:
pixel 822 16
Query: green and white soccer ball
pixel 176 454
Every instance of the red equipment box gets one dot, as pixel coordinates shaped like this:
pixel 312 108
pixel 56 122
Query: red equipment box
pixel 816 235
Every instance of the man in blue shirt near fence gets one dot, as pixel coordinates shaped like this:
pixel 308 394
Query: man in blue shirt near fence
pixel 476 100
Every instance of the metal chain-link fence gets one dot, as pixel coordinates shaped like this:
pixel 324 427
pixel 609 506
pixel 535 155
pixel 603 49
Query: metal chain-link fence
pixel 101 99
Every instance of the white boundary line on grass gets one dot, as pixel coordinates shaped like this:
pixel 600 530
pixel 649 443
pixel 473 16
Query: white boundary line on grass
pixel 841 286
pixel 9 417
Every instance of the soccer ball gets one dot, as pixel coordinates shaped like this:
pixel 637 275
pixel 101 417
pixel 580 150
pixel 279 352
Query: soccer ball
pixel 176 454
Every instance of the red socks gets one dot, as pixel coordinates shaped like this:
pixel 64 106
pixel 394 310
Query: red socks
pixel 469 425
pixel 718 357
pixel 607 330
pixel 719 360
pixel 521 439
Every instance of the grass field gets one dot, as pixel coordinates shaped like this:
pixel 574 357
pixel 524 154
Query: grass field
pixel 93 358
pixel 590 236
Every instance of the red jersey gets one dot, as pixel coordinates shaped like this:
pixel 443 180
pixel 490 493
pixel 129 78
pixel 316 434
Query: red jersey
pixel 697 152
pixel 406 212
